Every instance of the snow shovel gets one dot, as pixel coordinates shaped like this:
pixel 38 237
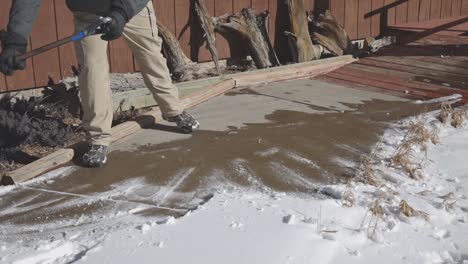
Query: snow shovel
pixel 92 29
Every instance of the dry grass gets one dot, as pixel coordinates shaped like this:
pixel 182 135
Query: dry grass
pixel 408 211
pixel 418 135
pixel 372 218
pixel 459 117
pixel 445 111
pixel 366 172
pixel 348 199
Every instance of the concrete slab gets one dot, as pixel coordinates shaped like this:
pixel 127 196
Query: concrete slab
pixel 221 113
pixel 290 137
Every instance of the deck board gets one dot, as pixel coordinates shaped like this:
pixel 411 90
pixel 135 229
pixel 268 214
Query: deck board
pixel 429 61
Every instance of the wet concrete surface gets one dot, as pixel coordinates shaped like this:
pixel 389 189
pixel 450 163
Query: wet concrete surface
pixel 289 137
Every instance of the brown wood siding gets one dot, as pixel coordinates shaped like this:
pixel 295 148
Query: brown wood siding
pixel 360 17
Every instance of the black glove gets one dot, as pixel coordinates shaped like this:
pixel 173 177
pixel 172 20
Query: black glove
pixel 13 45
pixel 114 29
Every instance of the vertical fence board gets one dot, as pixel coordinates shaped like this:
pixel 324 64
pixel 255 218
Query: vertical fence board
pixel 456 8
pixel 391 12
pixel 309 5
pixel 337 7
pixel 65 27
pixel 120 56
pixel 238 5
pixel 4 10
pixel 401 15
pixel 446 11
pixel 436 6
pixel 273 7
pixel 259 5
pixel 46 65
pixel 413 10
pixel 182 13
pixel 364 23
pixel 424 10
pixel 351 18
pixel 221 8
pixel 320 6
pixel 376 19
pixel 464 9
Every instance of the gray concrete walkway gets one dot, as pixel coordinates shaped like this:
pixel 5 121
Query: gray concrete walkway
pixel 290 137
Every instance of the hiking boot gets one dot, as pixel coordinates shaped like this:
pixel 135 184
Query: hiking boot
pixel 187 123
pixel 96 156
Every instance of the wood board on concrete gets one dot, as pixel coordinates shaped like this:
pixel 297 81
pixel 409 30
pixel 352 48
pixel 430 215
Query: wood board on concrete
pixel 41 166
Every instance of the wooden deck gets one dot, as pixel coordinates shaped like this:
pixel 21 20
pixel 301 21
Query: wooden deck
pixel 430 61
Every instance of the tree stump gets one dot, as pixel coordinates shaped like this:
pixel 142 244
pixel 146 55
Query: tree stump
pixel 207 24
pixel 252 29
pixel 300 42
pixel 327 31
pixel 177 61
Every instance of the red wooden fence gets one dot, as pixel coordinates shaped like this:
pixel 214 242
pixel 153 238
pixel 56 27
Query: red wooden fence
pixel 360 17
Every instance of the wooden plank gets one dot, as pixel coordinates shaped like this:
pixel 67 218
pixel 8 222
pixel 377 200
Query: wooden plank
pixel 38 167
pixel 337 7
pixel 413 10
pixel 424 10
pixel 46 65
pixel 165 14
pixel 4 11
pixel 436 8
pixel 391 12
pixel 320 6
pixel 291 72
pixel 273 8
pixel 259 5
pixel 120 56
pixel 309 5
pixel 351 18
pixel 403 60
pixel 370 74
pixel 376 19
pixel 221 8
pixel 464 9
pixel 343 75
pixel 401 15
pixel 182 25
pixel 364 23
pixel 65 28
pixel 363 87
pixel 456 8
pixel 446 9
pixel 238 5
pixel 454 78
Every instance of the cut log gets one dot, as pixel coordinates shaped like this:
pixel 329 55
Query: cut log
pixel 300 42
pixel 251 29
pixel 207 24
pixel 328 32
pixel 177 61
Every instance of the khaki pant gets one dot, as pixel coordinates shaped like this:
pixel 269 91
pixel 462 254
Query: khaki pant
pixel 141 34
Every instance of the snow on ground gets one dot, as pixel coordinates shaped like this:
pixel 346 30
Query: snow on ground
pixel 399 220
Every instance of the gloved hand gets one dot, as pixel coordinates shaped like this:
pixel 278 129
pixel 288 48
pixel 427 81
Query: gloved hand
pixel 114 29
pixel 13 46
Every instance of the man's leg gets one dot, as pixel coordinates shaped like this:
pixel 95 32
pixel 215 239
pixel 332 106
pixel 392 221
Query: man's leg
pixel 141 34
pixel 96 96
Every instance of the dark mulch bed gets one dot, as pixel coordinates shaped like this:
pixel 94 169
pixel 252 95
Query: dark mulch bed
pixel 33 128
